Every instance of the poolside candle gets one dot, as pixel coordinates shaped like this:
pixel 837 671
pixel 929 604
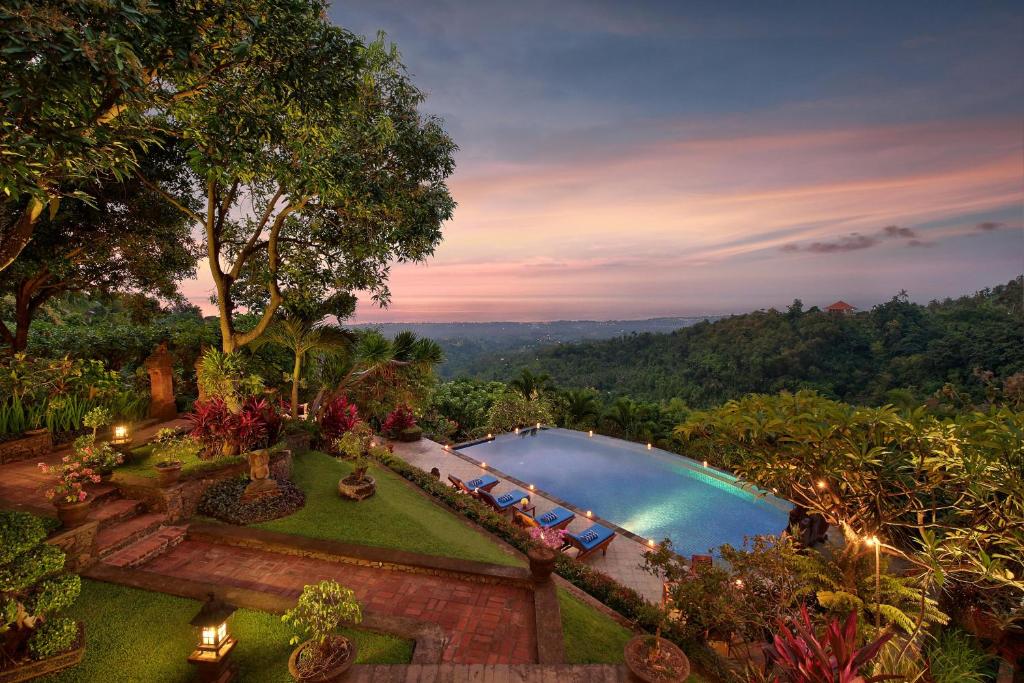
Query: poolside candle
pixel 538 425
pixel 517 430
pixel 648 446
pixel 532 488
pixel 590 433
pixel 705 463
pixel 650 542
pixel 483 464
pixel 589 513
pixel 524 502
pixel 490 436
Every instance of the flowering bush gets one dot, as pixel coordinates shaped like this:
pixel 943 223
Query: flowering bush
pixel 398 420
pixel 338 417
pixel 97 456
pixel 548 538
pixel 71 475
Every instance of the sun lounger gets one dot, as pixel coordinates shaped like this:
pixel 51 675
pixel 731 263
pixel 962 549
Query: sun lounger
pixel 591 540
pixel 555 518
pixel 503 501
pixel 484 482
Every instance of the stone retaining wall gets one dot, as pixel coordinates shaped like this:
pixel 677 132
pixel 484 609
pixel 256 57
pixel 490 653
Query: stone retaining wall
pixel 31 445
pixel 180 502
pixel 78 544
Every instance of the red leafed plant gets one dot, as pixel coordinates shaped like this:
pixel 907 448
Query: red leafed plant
pixel 338 417
pixel 801 656
pixel 223 431
pixel 399 419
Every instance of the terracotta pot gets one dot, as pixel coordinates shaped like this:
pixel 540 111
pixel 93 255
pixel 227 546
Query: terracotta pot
pixel 673 664
pixel 542 562
pixel 333 674
pixel 167 473
pixel 72 514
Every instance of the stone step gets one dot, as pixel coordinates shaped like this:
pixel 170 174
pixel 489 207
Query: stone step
pixel 102 492
pixel 496 673
pixel 113 510
pixel 147 548
pixel 122 534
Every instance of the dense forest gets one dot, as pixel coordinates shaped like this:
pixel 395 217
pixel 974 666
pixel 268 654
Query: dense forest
pixel 867 357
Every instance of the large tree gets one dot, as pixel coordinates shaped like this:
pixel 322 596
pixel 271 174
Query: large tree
pixel 319 172
pixel 81 81
pixel 126 239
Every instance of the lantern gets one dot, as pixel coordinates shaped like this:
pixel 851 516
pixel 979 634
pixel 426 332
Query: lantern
pixel 215 643
pixel 121 436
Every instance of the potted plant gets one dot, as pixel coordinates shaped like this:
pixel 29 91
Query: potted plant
pixel 325 655
pixel 543 551
pixel 100 457
pixel 355 445
pixel 68 494
pixel 170 449
pixel 653 658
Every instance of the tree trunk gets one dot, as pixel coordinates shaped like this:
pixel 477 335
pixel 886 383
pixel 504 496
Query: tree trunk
pixel 296 374
pixel 20 233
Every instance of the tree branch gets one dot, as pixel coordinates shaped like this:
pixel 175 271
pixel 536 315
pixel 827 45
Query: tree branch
pixel 169 198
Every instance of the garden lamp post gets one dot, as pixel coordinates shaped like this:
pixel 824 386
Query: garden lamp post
pixel 121 438
pixel 215 643
pixel 873 541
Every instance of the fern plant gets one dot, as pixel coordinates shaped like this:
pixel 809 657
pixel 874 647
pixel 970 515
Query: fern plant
pixel 843 581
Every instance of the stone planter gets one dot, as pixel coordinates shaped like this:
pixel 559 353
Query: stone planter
pixel 167 473
pixel 333 673
pixel 72 514
pixel 409 435
pixel 298 442
pixel 542 562
pixel 357 489
pixel 35 669
pixel 672 664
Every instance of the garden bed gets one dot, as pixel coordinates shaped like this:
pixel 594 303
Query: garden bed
pixel 223 500
pixel 137 635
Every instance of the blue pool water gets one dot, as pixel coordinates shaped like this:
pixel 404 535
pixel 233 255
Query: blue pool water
pixel 653 493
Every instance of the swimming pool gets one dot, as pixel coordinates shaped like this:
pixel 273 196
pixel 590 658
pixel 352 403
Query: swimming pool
pixel 653 493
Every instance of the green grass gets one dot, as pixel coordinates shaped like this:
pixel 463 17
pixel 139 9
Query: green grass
pixel 397 516
pixel 591 637
pixel 141 463
pixel 136 635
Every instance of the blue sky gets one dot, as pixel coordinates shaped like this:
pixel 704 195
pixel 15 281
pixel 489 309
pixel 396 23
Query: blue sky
pixel 632 159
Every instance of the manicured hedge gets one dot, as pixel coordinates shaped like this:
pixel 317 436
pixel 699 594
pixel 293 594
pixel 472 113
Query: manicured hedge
pixel 623 599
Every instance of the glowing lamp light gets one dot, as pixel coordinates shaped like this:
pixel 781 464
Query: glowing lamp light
pixel 490 436
pixel 821 484
pixel 483 464
pixel 650 542
pixel 705 463
pixel 532 487
pixel 524 502
pixel 589 513
pixel 538 425
pixel 122 435
pixel 590 433
pixel 215 643
pixel 739 583
pixel 871 540
pixel 648 446
pixel 447 447
pixel 517 430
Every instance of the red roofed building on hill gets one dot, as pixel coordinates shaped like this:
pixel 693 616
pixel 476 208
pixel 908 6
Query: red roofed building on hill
pixel 840 308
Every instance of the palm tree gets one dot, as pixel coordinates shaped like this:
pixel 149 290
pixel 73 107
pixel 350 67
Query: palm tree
pixel 580 408
pixel 531 386
pixel 634 420
pixel 302 336
pixel 386 373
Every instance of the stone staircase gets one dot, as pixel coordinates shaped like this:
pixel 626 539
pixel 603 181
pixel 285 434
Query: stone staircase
pixel 129 535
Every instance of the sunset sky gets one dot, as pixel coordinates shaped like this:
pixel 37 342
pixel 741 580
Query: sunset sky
pixel 639 159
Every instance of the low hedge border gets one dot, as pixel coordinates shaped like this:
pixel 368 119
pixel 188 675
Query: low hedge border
pixel 623 599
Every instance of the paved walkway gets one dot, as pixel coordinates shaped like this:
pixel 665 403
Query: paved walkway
pixel 23 485
pixel 485 623
pixel 625 555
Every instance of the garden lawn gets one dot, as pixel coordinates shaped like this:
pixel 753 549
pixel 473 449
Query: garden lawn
pixel 135 635
pixel 397 516
pixel 141 462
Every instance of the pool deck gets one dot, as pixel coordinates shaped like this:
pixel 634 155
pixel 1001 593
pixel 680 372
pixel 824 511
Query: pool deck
pixel 625 555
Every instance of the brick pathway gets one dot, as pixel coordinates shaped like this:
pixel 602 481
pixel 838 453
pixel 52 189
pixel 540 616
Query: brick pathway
pixel 497 673
pixel 625 555
pixel 486 624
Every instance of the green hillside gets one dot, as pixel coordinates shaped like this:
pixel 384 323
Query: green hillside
pixel 857 357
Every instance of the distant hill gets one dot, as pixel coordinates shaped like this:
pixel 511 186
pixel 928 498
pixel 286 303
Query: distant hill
pixel 465 344
pixel 857 357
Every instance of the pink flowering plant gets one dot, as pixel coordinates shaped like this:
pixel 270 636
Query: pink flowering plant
pixel 552 539
pixel 72 475
pixel 97 455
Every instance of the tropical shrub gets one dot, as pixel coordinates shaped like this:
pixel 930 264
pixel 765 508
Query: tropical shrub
pixel 170 446
pixel 955 657
pixel 462 407
pixel 512 410
pixel 799 655
pixel 338 417
pixel 33 591
pixel 398 420
pixel 257 424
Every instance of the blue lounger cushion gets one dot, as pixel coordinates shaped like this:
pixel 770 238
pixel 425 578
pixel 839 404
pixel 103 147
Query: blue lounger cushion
pixel 593 536
pixel 481 482
pixel 553 517
pixel 511 498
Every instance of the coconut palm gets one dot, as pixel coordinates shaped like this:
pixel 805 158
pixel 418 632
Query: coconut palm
pixel 579 408
pixel 633 420
pixel 302 336
pixel 531 386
